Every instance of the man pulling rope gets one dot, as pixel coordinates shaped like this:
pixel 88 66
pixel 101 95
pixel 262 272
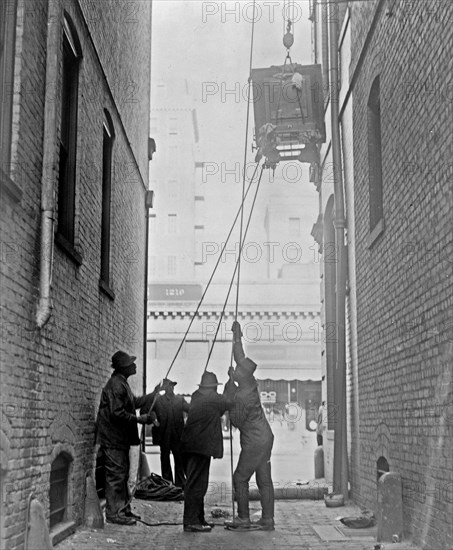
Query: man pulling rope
pixel 256 439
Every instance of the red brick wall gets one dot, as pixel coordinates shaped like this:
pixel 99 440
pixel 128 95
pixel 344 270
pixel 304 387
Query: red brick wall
pixel 51 379
pixel 404 297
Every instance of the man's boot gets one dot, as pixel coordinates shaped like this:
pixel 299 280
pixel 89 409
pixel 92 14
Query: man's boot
pixel 265 524
pixel 238 523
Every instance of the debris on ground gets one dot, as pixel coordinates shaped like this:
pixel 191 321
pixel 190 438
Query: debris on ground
pixel 219 513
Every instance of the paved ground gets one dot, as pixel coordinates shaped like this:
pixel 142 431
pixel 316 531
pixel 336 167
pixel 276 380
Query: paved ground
pixel 295 521
pixel 300 524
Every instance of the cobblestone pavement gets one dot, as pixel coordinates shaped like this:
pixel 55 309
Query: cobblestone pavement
pixel 294 530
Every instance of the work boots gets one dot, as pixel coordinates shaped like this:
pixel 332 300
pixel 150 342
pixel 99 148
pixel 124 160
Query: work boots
pixel 238 523
pixel 265 524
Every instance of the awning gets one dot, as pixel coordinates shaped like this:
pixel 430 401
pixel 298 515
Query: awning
pixel 288 373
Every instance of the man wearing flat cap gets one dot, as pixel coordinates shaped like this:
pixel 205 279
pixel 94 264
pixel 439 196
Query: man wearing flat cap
pixel 116 431
pixel 202 439
pixel 256 438
pixel 170 409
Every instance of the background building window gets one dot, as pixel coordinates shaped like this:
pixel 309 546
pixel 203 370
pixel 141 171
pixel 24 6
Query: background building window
pixel 68 134
pixel 375 155
pixel 152 267
pixel 294 227
pixel 171 266
pixel 173 126
pixel 172 223
pixel 107 150
pixel 8 12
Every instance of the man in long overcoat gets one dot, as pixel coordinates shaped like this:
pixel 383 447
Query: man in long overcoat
pixel 116 431
pixel 256 438
pixel 201 439
pixel 170 410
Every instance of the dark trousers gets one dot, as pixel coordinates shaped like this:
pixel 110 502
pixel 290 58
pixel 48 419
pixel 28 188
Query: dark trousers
pixel 197 472
pixel 116 476
pixel 179 479
pixel 254 461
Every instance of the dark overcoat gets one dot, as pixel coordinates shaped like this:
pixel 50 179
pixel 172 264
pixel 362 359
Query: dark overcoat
pixel 202 433
pixel 116 424
pixel 170 414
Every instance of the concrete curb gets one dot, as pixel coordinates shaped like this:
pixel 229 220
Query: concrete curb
pixel 292 491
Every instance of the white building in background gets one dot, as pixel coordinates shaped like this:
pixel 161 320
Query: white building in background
pixel 279 292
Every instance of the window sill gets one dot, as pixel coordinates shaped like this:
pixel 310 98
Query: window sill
pixel 104 287
pixel 8 187
pixel 69 249
pixel 376 233
pixel 62 531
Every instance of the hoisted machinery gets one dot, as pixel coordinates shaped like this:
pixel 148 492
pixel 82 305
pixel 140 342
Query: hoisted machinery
pixel 289 111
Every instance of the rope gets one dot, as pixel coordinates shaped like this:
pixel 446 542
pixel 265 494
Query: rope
pixel 235 268
pixel 213 272
pixel 245 153
pixel 240 238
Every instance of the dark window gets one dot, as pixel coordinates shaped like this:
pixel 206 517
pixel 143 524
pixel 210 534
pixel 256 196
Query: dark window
pixel 382 467
pixel 68 137
pixel 8 10
pixel 107 150
pixel 58 492
pixel 375 155
pixel 100 474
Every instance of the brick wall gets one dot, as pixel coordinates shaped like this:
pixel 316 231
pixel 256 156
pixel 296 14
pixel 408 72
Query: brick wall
pixel 404 342
pixel 51 379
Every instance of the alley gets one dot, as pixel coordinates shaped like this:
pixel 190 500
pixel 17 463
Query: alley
pixel 300 525
pixel 237 207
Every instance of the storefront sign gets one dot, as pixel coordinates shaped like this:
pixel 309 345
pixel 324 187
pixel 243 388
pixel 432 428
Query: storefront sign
pixel 174 293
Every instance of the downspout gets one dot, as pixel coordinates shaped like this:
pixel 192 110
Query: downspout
pixel 149 199
pixel 325 48
pixel 314 26
pixel 145 300
pixel 49 168
pixel 340 466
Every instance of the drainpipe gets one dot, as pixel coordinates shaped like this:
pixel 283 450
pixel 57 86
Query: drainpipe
pixel 314 21
pixel 325 48
pixel 49 168
pixel 149 199
pixel 340 467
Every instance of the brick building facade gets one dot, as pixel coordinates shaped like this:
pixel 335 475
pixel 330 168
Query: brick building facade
pixel 75 94
pixel 395 106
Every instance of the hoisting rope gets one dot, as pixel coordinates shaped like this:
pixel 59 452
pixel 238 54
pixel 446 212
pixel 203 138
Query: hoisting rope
pixel 241 240
pixel 191 322
pixel 238 261
pixel 213 272
pixel 245 155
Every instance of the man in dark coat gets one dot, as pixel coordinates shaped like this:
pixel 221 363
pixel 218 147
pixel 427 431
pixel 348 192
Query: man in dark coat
pixel 116 431
pixel 170 410
pixel 201 439
pixel 256 438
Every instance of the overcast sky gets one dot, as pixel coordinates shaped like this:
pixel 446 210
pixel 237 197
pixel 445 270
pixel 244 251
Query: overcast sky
pixel 208 44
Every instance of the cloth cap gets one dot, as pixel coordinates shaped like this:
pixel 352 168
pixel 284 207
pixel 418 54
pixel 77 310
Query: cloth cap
pixel 209 380
pixel 121 359
pixel 167 382
pixel 247 365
